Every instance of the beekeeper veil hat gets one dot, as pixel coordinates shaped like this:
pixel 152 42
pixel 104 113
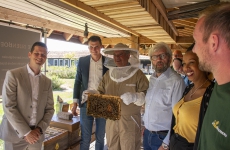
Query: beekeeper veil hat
pixel 120 74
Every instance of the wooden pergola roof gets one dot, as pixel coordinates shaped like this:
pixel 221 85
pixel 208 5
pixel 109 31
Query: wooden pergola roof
pixel 138 23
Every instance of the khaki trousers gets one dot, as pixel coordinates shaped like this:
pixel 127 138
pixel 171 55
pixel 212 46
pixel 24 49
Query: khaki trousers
pixel 124 134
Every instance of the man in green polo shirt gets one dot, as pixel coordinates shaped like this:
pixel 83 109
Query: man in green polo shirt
pixel 212 37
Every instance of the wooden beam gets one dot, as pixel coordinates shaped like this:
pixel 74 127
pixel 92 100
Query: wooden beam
pixel 184 40
pixel 80 38
pixel 193 7
pixel 49 32
pixel 106 46
pixel 87 16
pixel 185 15
pixel 160 6
pixel 122 10
pixel 67 36
pixel 151 9
pixel 134 42
pixel 144 40
pixel 15 16
pixel 183 23
pixel 114 41
pixel 133 4
pixel 128 40
pixel 92 11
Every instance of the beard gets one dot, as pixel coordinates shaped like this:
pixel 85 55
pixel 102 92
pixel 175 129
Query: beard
pixel 204 64
pixel 162 68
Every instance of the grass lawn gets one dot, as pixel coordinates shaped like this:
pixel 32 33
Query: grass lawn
pixel 68 82
pixel 66 96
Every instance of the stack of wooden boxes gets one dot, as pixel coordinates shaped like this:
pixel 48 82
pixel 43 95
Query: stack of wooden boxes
pixel 55 139
pixel 73 131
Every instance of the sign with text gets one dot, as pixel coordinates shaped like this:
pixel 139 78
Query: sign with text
pixel 15 43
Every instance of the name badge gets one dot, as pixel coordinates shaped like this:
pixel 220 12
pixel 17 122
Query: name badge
pixel 130 84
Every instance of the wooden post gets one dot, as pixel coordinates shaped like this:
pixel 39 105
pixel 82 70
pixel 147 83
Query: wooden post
pixel 134 42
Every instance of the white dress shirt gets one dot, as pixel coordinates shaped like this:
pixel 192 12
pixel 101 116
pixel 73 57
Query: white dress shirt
pixel 34 81
pixel 163 93
pixel 95 74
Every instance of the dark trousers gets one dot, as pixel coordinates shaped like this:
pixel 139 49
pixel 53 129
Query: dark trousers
pixel 86 130
pixel 153 140
pixel 178 142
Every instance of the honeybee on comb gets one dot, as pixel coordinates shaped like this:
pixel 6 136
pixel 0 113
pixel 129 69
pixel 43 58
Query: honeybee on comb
pixel 104 106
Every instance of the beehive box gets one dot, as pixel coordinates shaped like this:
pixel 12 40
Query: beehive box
pixel 55 139
pixel 75 137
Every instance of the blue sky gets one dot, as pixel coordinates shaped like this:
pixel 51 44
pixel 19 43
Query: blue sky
pixel 57 45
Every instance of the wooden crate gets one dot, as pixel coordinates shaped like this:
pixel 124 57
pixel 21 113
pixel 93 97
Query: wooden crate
pixel 70 125
pixel 73 126
pixel 55 139
pixel 75 137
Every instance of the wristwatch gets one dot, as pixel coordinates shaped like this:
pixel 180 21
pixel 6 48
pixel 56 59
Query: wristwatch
pixel 165 146
pixel 40 129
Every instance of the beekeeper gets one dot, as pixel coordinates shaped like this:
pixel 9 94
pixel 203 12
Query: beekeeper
pixel 124 79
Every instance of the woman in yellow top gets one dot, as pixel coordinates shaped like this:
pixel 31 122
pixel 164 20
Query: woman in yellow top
pixel 186 113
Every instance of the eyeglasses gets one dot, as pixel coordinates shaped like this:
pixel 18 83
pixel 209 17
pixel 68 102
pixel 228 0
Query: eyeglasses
pixel 161 56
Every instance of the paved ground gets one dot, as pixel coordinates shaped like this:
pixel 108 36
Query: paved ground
pixel 92 146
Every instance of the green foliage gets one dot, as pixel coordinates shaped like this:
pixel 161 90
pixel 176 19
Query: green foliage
pixel 1 144
pixel 70 55
pixel 66 96
pixel 1 111
pixel 56 82
pixel 62 71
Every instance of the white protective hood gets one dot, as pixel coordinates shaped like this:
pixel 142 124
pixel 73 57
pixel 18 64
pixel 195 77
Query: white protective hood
pixel 120 74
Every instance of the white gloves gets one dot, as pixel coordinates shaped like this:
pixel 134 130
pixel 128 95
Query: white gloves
pixel 85 95
pixel 136 98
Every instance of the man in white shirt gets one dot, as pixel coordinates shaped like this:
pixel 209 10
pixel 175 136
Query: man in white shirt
pixel 165 89
pixel 27 103
pixel 90 70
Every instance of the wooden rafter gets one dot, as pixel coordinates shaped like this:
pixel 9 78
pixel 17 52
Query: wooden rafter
pixel 160 6
pixel 184 40
pixel 67 36
pixel 190 11
pixel 49 32
pixel 8 14
pixel 184 15
pixel 92 11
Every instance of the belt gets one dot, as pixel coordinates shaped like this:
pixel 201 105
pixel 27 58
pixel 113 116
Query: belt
pixel 160 132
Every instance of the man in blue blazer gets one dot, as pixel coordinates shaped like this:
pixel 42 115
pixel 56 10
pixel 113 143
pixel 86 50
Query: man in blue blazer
pixel 90 70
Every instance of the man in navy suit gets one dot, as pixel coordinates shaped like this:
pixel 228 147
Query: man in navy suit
pixel 90 70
